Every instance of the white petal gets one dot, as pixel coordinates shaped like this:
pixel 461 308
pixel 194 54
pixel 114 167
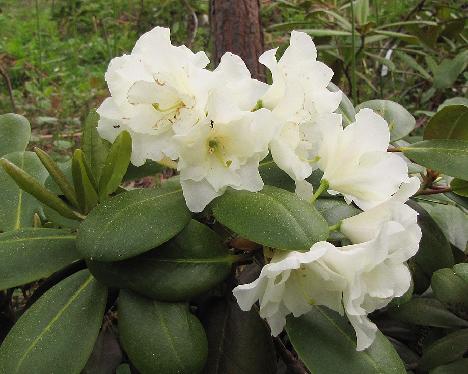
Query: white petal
pixel 304 190
pixel 198 194
pixel 365 331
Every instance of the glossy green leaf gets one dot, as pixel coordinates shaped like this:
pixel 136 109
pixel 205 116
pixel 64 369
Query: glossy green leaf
pixel 191 263
pixel 36 188
pixel 400 121
pixel 15 133
pixel 30 254
pixel 92 144
pixel 326 32
pixel 450 348
pixel 161 337
pixel 116 165
pixel 326 343
pixel 460 200
pixel 427 312
pixel 449 70
pixel 18 207
pixel 462 271
pixel 238 342
pixel 449 123
pixel 272 217
pixel 453 101
pixel 434 249
pixel 451 289
pixel 460 187
pixel 456 367
pixel 133 222
pixel 58 176
pixel 150 168
pixel 272 175
pixel 83 180
pixel 57 334
pixel 335 210
pixel 446 156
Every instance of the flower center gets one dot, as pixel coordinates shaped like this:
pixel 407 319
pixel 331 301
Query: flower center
pixel 217 149
pixel 169 114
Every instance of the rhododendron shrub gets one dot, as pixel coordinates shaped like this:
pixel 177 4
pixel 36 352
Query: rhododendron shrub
pixel 283 228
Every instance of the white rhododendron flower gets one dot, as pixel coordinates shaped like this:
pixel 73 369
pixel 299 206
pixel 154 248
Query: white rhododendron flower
pixel 291 284
pixel 154 91
pixel 355 161
pixel 223 152
pixel 299 97
pixel 361 277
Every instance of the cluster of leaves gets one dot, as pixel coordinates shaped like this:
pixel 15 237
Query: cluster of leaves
pixel 410 51
pixel 138 265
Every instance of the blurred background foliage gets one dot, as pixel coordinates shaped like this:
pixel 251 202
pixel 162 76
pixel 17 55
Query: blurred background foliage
pixel 54 53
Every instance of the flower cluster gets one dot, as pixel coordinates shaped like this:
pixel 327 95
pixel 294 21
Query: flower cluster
pixel 218 125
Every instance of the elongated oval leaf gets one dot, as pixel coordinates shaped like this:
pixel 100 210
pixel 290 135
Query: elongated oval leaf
pixel 30 254
pixel 456 367
pixel 449 123
pixel 447 156
pixel 36 188
pixel 18 207
pixel 450 348
pixel 272 217
pixel 326 343
pixel 57 334
pixel 191 263
pixel 85 185
pixel 434 249
pixel 427 312
pixel 400 121
pixel 460 187
pixel 15 133
pixel 462 271
pixel 161 337
pixel 93 145
pixel 451 289
pixel 272 175
pixel 133 222
pixel 116 165
pixel 238 342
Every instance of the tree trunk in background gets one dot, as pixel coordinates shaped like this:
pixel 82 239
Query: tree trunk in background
pixel 236 28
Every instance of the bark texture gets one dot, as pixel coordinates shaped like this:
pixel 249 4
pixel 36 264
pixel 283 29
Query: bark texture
pixel 236 27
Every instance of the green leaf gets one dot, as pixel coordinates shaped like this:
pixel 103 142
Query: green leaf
pixel 238 342
pixel 15 133
pixel 460 187
pixel 434 249
pixel 161 337
pixel 326 32
pixel 400 121
pixel 398 35
pixel 58 176
pixel 116 165
pixel 449 70
pixel 36 188
pixel 450 348
pixel 193 262
pixel 272 175
pixel 427 312
pixel 446 156
pixel 346 107
pixel 449 123
pixel 150 168
pixel 133 222
pixel 17 207
pixel 92 145
pixel 361 11
pixel 335 210
pixel 460 200
pixel 272 217
pixel 462 271
pixel 326 343
pixel 451 289
pixel 57 334
pixel 30 254
pixel 83 180
pixel 456 367
pixel 451 220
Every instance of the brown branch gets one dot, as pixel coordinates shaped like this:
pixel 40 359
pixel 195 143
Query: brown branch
pixel 433 191
pixel 294 365
pixel 192 26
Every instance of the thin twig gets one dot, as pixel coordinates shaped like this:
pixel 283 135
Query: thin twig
pixel 433 191
pixel 192 26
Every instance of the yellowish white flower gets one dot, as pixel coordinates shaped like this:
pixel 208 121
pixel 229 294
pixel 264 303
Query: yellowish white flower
pixel 154 91
pixel 291 284
pixel 299 97
pixel 355 161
